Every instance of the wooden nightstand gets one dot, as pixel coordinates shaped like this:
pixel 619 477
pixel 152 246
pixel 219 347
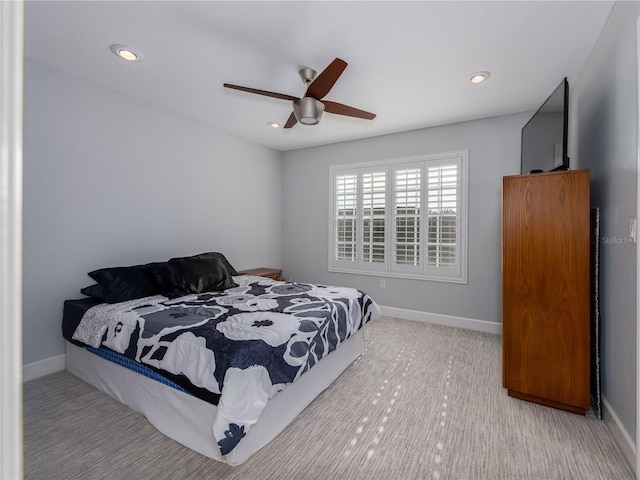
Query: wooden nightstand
pixel 273 273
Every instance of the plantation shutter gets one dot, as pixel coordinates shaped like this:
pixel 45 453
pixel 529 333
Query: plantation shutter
pixel 373 218
pixel 407 199
pixel 443 217
pixel 346 196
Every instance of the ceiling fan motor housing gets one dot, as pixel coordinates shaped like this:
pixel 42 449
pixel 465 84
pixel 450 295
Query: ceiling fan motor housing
pixel 308 110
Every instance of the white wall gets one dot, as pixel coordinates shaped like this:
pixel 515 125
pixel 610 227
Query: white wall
pixel 111 181
pixel 494 151
pixel 604 120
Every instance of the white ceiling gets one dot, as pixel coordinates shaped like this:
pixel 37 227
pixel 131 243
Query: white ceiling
pixel 408 61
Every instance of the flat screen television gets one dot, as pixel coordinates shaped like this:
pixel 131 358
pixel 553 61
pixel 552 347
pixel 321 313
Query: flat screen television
pixel 544 137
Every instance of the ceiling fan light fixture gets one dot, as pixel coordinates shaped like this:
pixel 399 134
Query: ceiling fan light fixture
pixel 308 110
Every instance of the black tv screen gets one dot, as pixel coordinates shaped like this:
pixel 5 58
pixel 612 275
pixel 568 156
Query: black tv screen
pixel 544 137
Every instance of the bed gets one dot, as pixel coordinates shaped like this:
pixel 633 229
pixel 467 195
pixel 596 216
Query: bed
pixel 219 362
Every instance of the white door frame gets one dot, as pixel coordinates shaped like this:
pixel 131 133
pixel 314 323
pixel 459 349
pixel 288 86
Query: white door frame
pixel 638 259
pixel 11 109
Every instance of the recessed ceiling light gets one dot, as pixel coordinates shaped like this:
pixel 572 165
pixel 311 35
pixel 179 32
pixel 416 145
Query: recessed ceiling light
pixel 479 77
pixel 273 124
pixel 126 53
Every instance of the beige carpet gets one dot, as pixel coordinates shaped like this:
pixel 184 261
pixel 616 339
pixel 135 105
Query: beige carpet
pixel 424 402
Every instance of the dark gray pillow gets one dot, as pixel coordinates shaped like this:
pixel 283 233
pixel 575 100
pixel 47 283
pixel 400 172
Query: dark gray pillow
pixel 163 276
pixel 221 257
pixel 197 275
pixel 94 291
pixel 125 283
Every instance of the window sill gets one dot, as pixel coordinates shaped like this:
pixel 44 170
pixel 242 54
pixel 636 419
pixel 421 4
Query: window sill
pixel 408 276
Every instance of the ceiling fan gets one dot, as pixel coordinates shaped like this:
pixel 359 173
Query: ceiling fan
pixel 308 109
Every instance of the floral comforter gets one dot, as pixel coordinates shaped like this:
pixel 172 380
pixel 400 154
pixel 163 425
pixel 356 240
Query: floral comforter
pixel 245 343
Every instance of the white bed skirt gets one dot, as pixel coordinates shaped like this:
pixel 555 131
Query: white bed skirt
pixel 189 420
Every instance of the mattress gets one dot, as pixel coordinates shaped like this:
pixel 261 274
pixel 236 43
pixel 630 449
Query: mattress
pixel 187 419
pixel 72 314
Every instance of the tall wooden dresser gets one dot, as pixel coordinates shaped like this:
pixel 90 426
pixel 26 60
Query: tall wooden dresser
pixel 546 288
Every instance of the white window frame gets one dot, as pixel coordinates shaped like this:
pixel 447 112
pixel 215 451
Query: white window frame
pixel 389 268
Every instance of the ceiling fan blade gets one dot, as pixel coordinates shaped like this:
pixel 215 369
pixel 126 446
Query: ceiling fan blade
pixel 291 122
pixel 326 80
pixel 340 109
pixel 281 96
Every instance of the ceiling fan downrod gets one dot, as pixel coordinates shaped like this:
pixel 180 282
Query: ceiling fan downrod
pixel 307 75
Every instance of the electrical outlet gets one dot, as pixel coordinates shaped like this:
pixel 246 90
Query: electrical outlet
pixel 383 283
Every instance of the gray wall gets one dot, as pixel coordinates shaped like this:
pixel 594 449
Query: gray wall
pixel 494 151
pixel 604 119
pixel 110 181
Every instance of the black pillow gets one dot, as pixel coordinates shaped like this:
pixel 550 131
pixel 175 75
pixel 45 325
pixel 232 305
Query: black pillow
pixel 221 257
pixel 95 291
pixel 163 275
pixel 197 275
pixel 125 283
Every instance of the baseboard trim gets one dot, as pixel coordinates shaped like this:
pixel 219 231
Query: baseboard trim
pixel 622 438
pixel 38 369
pixel 440 319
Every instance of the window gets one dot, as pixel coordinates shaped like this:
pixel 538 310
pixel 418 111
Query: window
pixel 401 218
